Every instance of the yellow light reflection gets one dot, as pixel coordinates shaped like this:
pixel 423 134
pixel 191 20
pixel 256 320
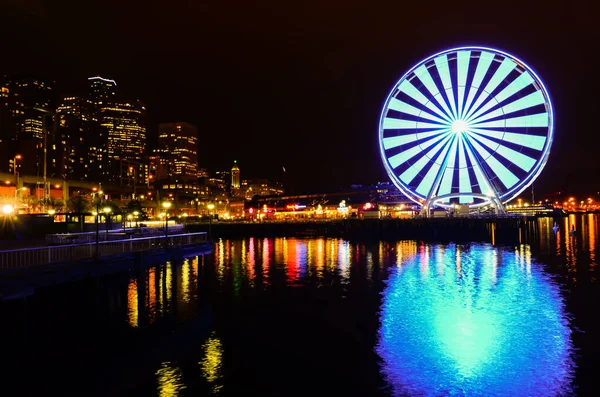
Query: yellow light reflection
pixel 151 296
pixel 185 281
pixel 212 362
pixel 169 380
pixel 132 303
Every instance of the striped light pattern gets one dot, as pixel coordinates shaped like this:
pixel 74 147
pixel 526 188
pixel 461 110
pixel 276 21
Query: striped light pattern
pixel 466 123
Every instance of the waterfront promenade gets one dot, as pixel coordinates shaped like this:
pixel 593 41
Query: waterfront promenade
pixel 67 257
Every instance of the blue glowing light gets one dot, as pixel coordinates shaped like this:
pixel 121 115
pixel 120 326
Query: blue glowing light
pixel 480 322
pixel 495 105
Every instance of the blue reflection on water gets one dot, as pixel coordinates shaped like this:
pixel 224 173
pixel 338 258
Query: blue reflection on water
pixel 480 321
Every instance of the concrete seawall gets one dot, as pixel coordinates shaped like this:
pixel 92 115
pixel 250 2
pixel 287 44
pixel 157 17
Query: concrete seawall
pixel 494 230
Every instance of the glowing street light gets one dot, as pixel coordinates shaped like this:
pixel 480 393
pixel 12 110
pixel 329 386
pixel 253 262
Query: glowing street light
pixel 107 211
pixel 166 205
pixel 7 209
pixel 210 207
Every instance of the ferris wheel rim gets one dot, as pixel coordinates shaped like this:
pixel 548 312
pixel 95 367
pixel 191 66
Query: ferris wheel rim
pixel 524 182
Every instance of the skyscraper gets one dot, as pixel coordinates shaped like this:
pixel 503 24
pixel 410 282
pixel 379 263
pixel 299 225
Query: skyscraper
pixel 101 89
pixel 28 100
pixel 75 130
pixel 178 148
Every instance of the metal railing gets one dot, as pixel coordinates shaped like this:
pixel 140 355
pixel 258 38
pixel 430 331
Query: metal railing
pixel 27 257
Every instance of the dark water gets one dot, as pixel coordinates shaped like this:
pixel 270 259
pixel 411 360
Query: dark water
pixel 320 316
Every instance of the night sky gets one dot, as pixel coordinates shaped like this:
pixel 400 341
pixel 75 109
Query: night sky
pixel 301 84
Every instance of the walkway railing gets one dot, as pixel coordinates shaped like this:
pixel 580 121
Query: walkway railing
pixel 27 257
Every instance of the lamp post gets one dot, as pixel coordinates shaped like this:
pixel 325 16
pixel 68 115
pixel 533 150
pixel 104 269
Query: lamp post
pixel 107 211
pixel 15 172
pixel 51 212
pixel 45 132
pixel 210 207
pixel 166 205
pixel 134 171
pixel 135 215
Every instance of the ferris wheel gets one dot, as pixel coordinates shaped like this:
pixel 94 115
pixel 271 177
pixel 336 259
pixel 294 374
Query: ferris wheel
pixel 469 125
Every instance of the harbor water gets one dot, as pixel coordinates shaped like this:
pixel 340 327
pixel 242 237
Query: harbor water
pixel 322 316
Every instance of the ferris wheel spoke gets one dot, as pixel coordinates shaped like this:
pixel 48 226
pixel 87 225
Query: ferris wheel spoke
pixel 412 171
pixel 446 184
pixel 401 124
pixel 409 89
pixel 441 64
pixel 395 141
pixel 462 71
pixel 423 74
pixel 404 107
pixel 531 120
pixel 426 185
pixel 501 74
pixel 406 155
pixel 524 162
pixel 507 178
pixel 464 181
pixel 484 184
pixel 535 142
pixel 485 60
pixel 515 86
pixel 534 99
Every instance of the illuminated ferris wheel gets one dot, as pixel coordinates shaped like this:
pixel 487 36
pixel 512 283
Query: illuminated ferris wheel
pixel 469 125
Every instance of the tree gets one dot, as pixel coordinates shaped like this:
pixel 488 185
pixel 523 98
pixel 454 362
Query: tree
pixel 78 204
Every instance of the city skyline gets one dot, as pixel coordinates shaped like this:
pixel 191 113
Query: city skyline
pixel 315 87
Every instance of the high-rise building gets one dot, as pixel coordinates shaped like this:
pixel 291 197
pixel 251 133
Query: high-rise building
pixel 30 102
pixel 28 97
pixel 124 124
pixel 178 147
pixel 101 89
pixel 76 130
pixel 235 176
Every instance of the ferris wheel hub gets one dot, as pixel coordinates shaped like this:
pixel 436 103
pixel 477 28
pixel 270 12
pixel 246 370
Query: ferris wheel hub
pixel 460 126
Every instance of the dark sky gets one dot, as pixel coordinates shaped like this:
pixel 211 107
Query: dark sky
pixel 301 84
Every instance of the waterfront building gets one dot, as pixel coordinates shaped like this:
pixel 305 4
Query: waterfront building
pixel 261 187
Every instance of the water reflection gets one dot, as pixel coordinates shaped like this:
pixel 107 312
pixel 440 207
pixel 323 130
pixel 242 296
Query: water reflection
pixel 211 364
pixel 486 322
pixel 169 380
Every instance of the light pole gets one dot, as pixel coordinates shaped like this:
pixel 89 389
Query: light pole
pixel 107 211
pixel 16 173
pixel 45 132
pixel 166 205
pixel 210 207
pixel 134 171
pixel 135 215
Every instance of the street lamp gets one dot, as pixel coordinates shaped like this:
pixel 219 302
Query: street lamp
pixel 210 207
pixel 135 214
pixel 107 211
pixel 45 132
pixel 166 205
pixel 129 218
pixel 15 172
